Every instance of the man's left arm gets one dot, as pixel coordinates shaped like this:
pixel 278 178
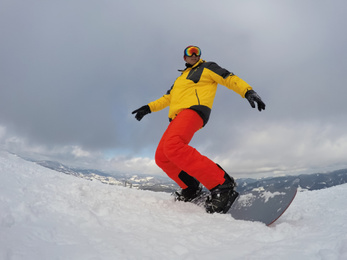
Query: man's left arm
pixel 233 82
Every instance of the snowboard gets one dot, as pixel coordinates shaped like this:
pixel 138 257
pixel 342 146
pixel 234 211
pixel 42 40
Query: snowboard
pixel 262 204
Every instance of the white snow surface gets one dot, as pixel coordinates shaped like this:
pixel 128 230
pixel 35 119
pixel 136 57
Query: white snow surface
pixel 49 215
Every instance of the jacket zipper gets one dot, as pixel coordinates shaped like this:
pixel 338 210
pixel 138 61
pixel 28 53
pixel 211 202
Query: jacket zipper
pixel 196 93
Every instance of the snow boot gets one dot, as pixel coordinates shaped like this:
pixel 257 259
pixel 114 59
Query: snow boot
pixel 193 190
pixel 222 196
pixel 188 194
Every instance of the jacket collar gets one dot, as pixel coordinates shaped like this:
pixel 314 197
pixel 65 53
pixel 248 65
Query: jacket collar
pixel 188 66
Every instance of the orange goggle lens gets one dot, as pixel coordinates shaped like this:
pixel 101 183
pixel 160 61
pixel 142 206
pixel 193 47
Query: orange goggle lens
pixel 192 50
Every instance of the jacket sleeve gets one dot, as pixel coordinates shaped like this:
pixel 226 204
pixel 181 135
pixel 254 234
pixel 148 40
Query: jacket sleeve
pixel 228 79
pixel 237 84
pixel 160 103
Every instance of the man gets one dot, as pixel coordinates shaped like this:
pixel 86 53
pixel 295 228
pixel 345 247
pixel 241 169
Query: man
pixel 190 100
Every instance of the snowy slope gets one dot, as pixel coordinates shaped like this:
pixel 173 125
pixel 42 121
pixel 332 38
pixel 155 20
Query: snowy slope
pixel 49 215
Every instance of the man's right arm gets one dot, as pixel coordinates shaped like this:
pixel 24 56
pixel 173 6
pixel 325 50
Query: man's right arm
pixel 160 103
pixel 153 106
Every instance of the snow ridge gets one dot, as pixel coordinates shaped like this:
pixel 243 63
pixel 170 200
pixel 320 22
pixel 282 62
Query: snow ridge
pixel 48 215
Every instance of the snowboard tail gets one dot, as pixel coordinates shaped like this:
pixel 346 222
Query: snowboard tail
pixel 264 204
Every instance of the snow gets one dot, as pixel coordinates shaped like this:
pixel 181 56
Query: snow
pixel 268 195
pixel 49 215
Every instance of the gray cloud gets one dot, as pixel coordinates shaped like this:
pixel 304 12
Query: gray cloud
pixel 71 73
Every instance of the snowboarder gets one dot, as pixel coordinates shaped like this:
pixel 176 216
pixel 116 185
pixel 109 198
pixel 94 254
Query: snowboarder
pixel 190 100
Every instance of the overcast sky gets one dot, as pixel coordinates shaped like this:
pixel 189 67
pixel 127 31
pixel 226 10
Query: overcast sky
pixel 72 71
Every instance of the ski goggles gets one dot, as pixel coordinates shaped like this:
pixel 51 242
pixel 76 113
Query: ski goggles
pixel 190 50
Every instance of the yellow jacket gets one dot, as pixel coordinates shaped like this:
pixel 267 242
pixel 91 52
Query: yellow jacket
pixel 196 89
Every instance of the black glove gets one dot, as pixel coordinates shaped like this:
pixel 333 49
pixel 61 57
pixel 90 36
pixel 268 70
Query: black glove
pixel 252 97
pixel 141 112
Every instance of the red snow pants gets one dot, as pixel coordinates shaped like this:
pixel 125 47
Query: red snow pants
pixel 174 155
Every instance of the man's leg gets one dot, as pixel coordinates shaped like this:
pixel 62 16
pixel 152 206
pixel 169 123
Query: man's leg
pixel 174 145
pixel 165 164
pixel 174 154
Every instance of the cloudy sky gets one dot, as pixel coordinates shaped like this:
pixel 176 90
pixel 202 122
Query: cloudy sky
pixel 72 71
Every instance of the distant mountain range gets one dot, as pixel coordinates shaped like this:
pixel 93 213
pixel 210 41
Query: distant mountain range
pixel 315 181
pixel 145 182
